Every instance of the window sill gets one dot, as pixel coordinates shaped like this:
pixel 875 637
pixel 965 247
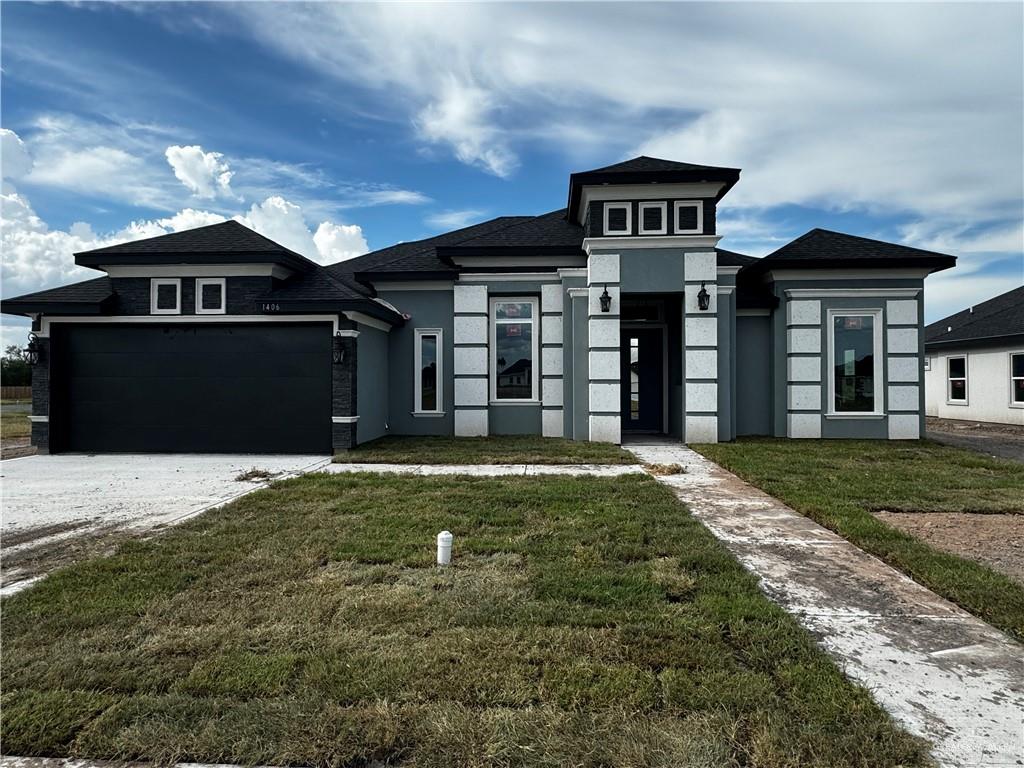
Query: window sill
pixel 956 402
pixel 515 402
pixel 854 415
pixel 427 414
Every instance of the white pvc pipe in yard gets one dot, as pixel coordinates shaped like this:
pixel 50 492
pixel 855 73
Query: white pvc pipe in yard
pixel 444 547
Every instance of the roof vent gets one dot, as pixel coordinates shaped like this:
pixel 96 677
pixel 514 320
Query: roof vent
pixel 949 329
pixel 971 310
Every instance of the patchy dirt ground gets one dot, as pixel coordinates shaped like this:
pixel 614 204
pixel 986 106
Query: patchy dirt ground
pixel 16 447
pixel 996 540
pixel 1004 441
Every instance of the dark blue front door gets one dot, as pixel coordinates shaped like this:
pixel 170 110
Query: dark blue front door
pixel 643 380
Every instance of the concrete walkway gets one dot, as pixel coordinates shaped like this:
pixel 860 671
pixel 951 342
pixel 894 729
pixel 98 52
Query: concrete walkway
pixel 491 470
pixel 942 673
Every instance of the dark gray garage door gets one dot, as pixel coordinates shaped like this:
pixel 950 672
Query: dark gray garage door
pixel 214 388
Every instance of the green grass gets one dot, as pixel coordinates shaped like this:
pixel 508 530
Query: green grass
pixel 14 425
pixel 584 622
pixel 509 449
pixel 840 483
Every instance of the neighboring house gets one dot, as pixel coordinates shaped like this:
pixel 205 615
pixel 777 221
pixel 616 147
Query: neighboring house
pixel 616 314
pixel 974 362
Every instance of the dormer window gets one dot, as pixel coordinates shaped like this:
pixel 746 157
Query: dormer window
pixel 165 296
pixel 210 295
pixel 689 217
pixel 618 218
pixel 653 218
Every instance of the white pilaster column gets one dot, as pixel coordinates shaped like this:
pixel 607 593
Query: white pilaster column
pixel 604 369
pixel 552 383
pixel 471 383
pixel 700 340
pixel 804 400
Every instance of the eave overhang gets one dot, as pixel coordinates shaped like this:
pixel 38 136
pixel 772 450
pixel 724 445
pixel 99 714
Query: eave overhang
pixel 727 176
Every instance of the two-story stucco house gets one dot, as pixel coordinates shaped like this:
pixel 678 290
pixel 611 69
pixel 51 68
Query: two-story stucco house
pixel 617 314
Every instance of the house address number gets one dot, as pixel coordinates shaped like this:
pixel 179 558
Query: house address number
pixel 271 307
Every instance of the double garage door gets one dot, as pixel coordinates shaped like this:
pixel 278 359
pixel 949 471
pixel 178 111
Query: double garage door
pixel 178 388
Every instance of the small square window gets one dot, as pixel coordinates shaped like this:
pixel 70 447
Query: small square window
pixel 618 218
pixel 165 296
pixel 652 219
pixel 210 296
pixel 689 217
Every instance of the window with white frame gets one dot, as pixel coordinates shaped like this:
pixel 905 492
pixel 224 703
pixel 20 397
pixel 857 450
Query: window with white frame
pixel 956 380
pixel 855 349
pixel 211 295
pixel 429 396
pixel 618 218
pixel 165 296
pixel 653 218
pixel 514 357
pixel 688 216
pixel 1017 378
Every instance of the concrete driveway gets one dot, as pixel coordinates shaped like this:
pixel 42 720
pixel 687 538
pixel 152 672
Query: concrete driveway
pixel 56 509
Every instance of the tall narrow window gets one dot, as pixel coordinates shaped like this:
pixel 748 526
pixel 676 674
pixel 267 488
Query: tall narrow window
pixel 634 378
pixel 429 384
pixel 956 376
pixel 855 346
pixel 1017 378
pixel 513 349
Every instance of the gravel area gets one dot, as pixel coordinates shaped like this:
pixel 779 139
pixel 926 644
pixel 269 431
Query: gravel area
pixel 993 539
pixel 1004 441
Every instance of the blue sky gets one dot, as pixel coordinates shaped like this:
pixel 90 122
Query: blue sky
pixel 337 128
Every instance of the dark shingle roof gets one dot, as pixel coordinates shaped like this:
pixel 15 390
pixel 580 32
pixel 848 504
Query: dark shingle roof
pixel 77 296
pixel 645 164
pixel 544 233
pixel 733 259
pixel 998 318
pixel 227 241
pixel 824 249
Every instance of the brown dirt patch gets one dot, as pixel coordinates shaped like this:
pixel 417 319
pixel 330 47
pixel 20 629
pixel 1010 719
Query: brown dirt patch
pixel 996 540
pixel 16 447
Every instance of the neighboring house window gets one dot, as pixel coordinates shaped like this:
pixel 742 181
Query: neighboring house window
pixel 689 217
pixel 429 384
pixel 855 344
pixel 1017 378
pixel 652 218
pixel 956 375
pixel 165 296
pixel 618 218
pixel 210 295
pixel 514 349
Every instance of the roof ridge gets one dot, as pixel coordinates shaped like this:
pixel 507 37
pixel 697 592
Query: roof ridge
pixel 972 317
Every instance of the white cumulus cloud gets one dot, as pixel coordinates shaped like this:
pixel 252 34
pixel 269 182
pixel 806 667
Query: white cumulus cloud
pixel 15 161
pixel 205 174
pixel 283 222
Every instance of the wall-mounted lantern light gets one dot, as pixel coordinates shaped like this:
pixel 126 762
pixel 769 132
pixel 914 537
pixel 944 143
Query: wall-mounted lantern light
pixel 606 300
pixel 32 350
pixel 703 298
pixel 339 352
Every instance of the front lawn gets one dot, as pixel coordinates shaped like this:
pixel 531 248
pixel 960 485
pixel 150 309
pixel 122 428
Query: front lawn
pixel 585 622
pixel 14 424
pixel 841 483
pixel 507 449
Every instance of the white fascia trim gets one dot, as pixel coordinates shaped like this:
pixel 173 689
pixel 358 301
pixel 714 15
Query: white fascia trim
pixel 663 229
pixel 578 293
pixel 851 293
pixel 657 191
pixel 753 312
pixel 39 419
pixel 699 205
pixel 877 363
pixel 505 277
pixel 529 261
pixel 344 419
pixel 417 367
pixel 154 286
pixel 198 270
pixel 572 272
pixel 726 289
pixel 824 273
pixel 685 242
pixel 195 320
pixel 614 206
pixel 413 285
pixel 387 304
pixel 203 281
pixel 728 270
pixel 371 322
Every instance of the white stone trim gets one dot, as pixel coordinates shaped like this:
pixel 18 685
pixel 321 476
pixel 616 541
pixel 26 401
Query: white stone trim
pixel 700 265
pixel 701 396
pixel 701 429
pixel 604 365
pixel 577 293
pixel 690 306
pixel 344 419
pixel 551 329
pixel 904 426
pixel 471 422
pixel 803 425
pixel 567 272
pixel 804 397
pixel 551 361
pixel 470 299
pixel 682 242
pixel 849 293
pixel 603 268
pixel 418 335
pixel 471 361
pixel 700 331
pixel 470 391
pixel 552 422
pixel 803 368
pixel 594 302
pixel 154 287
pixel 551 298
pixel 805 312
pixel 904 398
pixel 699 205
pixel 204 281
pixel 901 312
pixel 470 329
pixel 702 363
pixel 604 397
pixel 803 340
pixel 901 341
pixel 552 391
pixel 903 370
pixel 663 207
pixel 605 428
pixel 603 332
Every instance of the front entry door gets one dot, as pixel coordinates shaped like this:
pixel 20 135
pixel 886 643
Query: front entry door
pixel 643 380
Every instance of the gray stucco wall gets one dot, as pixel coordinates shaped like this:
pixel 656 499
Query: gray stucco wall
pixel 753 375
pixel 428 309
pixel 372 383
pixel 652 270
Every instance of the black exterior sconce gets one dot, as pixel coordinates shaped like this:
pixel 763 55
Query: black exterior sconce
pixel 339 353
pixel 606 300
pixel 703 298
pixel 32 350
